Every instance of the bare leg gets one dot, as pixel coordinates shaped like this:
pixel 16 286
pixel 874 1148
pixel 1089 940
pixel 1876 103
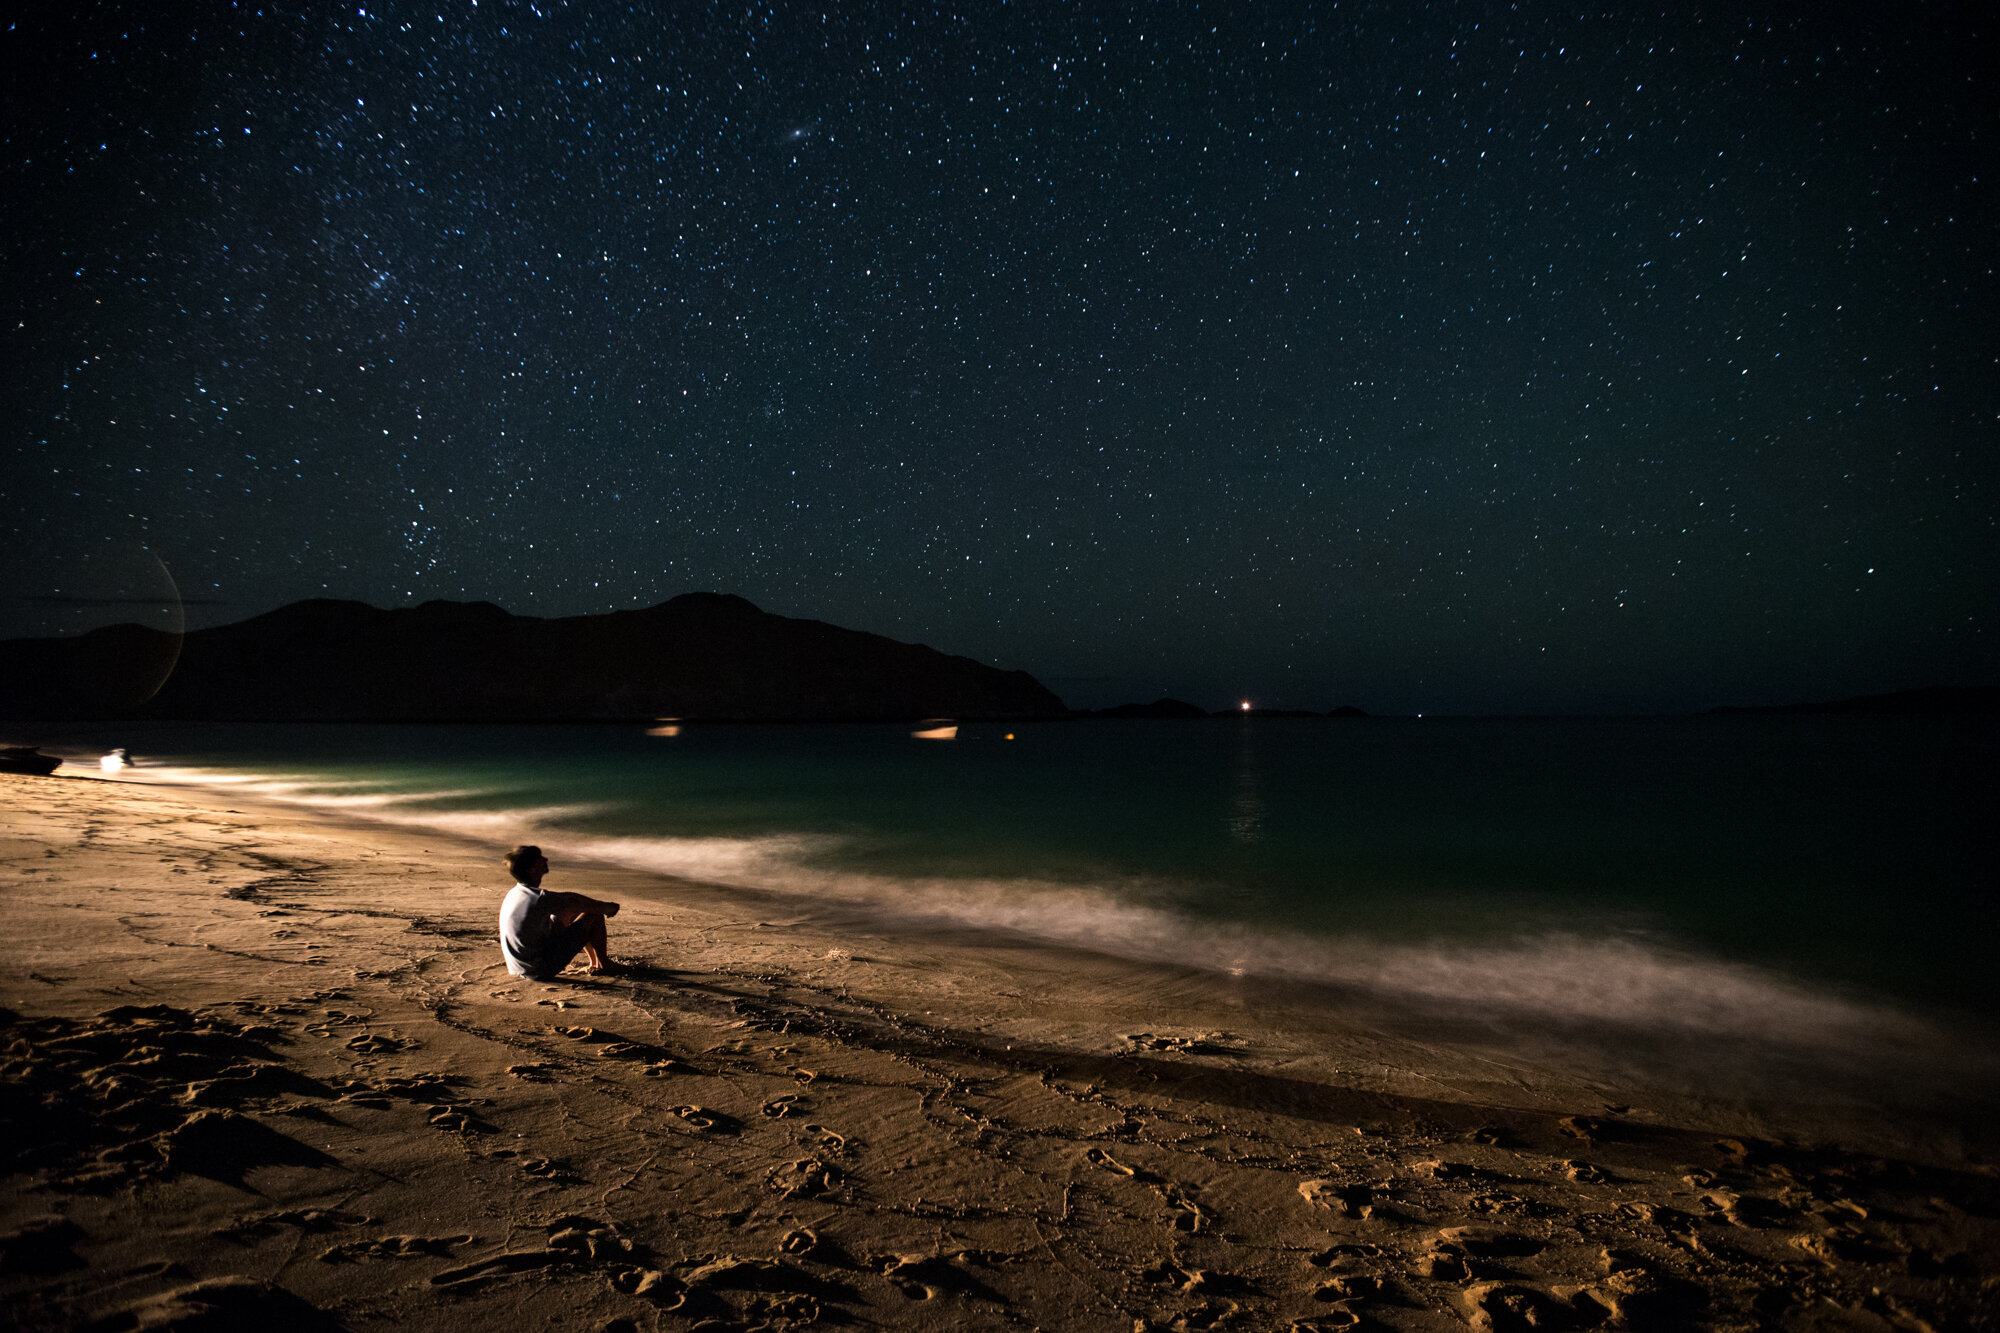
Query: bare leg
pixel 595 953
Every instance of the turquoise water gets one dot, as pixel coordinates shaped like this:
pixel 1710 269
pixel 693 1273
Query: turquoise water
pixel 1713 873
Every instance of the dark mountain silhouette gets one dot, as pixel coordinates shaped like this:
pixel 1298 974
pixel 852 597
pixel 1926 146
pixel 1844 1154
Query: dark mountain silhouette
pixel 1278 712
pixel 699 656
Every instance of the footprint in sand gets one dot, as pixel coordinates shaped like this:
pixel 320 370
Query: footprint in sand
pixel 1453 1251
pixel 1723 1207
pixel 309 1220
pixel 637 1280
pixel 418 1088
pixel 831 1140
pixel 1442 1266
pixel 1210 1314
pixel 1195 1281
pixel 1203 1043
pixel 376 1095
pixel 1183 1213
pixel 1356 1201
pixel 576 1241
pixel 586 1235
pixel 377 1044
pixel 779 1107
pixel 1349 1287
pixel 335 1019
pixel 1488 1242
pixel 1101 1158
pixel 703 1117
pixel 265 1010
pixel 1494 1204
pixel 804 1178
pixel 730 1272
pixel 1639 1211
pixel 779 1296
pixel 923 1277
pixel 650 1283
pixel 457 1120
pixel 1637 1296
pixel 1505 1305
pixel 394 1247
pixel 1337 1254
pixel 514 1261
pixel 807 1245
pixel 782 1310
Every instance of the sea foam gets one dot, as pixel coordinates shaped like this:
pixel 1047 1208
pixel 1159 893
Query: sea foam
pixel 1577 977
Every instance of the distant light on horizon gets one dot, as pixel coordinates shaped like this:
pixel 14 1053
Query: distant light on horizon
pixel 1246 705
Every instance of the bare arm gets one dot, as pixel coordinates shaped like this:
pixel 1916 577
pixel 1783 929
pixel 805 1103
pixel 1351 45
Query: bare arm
pixel 564 904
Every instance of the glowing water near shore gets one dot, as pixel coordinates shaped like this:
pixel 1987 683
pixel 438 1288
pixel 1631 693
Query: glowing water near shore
pixel 1817 879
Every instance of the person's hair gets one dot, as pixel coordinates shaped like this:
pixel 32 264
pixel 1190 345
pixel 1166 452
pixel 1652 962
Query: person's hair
pixel 525 854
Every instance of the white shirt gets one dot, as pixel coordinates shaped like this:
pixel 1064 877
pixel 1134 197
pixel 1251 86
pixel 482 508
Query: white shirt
pixel 525 926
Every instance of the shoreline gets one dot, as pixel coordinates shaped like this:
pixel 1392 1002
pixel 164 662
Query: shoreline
pixel 1775 1055
pixel 288 1034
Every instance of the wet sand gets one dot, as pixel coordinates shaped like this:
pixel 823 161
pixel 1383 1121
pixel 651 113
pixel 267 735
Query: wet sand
pixel 263 1066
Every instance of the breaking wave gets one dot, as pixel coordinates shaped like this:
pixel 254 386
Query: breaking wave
pixel 1577 976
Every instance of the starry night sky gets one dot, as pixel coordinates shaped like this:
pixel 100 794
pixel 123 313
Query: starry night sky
pixel 1421 357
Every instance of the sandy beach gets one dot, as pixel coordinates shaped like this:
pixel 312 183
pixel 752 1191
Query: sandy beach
pixel 264 1069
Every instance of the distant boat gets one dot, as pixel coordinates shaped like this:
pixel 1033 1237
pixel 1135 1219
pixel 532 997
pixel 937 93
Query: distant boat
pixel 26 759
pixel 936 729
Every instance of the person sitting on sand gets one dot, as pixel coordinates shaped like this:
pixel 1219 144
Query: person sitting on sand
pixel 541 931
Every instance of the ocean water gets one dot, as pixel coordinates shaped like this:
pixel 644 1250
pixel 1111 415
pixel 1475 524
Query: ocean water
pixel 1808 879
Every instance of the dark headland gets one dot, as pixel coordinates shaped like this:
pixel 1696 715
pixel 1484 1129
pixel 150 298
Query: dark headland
pixel 700 656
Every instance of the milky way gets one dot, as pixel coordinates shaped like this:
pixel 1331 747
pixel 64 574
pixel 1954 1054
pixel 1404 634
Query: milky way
pixel 1418 357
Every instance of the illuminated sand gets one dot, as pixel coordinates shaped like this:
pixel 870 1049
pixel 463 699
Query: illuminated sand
pixel 262 1060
